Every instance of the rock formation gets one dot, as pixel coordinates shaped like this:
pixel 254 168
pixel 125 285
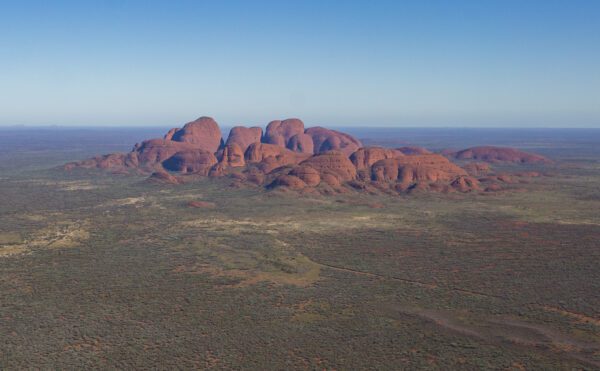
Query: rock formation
pixel 314 160
pixel 326 140
pixel 164 177
pixel 203 133
pixel 196 161
pixel 279 132
pixel 244 137
pixel 498 155
pixel 364 157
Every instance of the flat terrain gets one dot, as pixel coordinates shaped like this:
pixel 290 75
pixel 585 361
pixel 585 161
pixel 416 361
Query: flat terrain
pixel 99 270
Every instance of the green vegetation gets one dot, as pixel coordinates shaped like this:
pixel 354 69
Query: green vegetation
pixel 108 271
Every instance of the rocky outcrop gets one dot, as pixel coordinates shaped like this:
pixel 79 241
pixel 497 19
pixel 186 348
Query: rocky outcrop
pixel 114 161
pixel 271 156
pixel 309 175
pixel 244 137
pixel 302 143
pixel 315 160
pixel 232 155
pixel 498 155
pixel 163 177
pixel 465 184
pixel 288 181
pixel 155 151
pixel 416 168
pixel 326 140
pixel 280 132
pixel 335 163
pixel 196 161
pixel 364 157
pixel 203 133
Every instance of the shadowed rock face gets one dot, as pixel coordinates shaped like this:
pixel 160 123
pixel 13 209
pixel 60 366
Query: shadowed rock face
pixel 499 154
pixel 155 151
pixel 315 160
pixel 244 137
pixel 232 156
pixel 302 143
pixel 196 161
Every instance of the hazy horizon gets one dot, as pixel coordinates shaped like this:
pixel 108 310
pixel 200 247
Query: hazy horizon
pixel 381 64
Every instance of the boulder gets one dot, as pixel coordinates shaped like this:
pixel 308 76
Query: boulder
pixel 163 177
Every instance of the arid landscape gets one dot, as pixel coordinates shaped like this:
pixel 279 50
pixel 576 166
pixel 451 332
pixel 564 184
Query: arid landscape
pixel 300 185
pixel 290 247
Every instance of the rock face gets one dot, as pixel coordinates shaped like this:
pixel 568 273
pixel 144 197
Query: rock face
pixel 155 151
pixel 203 133
pixel 364 157
pixel 271 156
pixel 326 140
pixel 279 132
pixel 302 143
pixel 310 176
pixel 404 173
pixel 334 163
pixel 232 156
pixel 244 137
pixel 196 161
pixel 315 160
pixel 499 154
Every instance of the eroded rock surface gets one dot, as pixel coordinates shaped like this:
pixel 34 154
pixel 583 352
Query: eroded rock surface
pixel 314 160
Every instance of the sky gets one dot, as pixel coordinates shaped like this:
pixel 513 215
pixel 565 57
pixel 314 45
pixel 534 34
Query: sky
pixel 419 63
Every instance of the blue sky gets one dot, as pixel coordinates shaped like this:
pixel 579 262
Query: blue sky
pixel 367 63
